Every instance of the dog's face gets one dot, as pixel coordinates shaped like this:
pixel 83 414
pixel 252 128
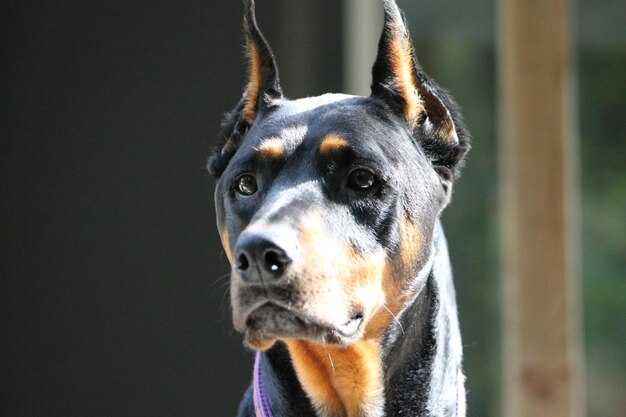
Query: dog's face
pixel 326 205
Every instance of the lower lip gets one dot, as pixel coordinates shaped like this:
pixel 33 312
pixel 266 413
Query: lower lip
pixel 346 330
pixel 351 327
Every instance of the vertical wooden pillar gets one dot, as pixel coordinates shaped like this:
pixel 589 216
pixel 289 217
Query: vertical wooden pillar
pixel 363 23
pixel 542 345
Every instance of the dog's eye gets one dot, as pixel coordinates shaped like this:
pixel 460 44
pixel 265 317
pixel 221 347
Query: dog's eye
pixel 246 184
pixel 361 179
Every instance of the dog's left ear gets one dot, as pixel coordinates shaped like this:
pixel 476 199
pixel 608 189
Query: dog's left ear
pixel 427 110
pixel 262 89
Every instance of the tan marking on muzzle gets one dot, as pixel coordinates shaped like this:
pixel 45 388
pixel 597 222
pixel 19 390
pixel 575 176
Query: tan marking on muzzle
pixel 411 241
pixel 342 380
pixel 396 275
pixel 360 278
pixel 260 344
pixel 226 244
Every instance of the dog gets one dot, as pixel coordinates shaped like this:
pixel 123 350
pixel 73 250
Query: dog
pixel 328 211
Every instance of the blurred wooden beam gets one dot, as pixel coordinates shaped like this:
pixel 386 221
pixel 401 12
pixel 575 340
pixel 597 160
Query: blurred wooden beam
pixel 542 344
pixel 363 24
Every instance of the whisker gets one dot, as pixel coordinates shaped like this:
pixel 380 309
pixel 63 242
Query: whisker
pixel 330 358
pixel 225 295
pixel 219 280
pixel 394 318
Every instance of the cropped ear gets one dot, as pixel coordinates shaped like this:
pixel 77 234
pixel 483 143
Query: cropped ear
pixel 395 78
pixel 262 89
pixel 263 83
pixel 399 81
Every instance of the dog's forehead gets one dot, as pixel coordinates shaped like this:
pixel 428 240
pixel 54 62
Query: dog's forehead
pixel 301 106
pixel 313 118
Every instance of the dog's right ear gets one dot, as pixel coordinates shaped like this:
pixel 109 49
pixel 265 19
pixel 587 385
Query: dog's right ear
pixel 262 89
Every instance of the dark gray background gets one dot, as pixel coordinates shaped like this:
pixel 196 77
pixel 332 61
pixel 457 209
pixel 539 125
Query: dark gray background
pixel 112 302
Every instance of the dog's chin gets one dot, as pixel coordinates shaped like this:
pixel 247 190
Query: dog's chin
pixel 271 322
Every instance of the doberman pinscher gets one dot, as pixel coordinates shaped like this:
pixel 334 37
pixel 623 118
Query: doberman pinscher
pixel 328 209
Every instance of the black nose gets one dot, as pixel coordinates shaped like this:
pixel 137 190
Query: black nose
pixel 259 257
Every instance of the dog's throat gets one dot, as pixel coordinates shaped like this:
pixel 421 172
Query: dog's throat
pixel 340 381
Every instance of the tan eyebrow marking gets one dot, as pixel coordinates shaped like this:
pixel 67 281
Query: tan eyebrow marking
pixel 333 143
pixel 272 148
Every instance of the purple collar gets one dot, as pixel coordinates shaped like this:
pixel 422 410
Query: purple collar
pixel 261 402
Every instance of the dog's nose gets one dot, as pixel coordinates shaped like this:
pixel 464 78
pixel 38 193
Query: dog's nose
pixel 259 257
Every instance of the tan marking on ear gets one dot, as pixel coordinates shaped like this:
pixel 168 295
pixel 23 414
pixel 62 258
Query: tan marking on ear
pixel 402 67
pixel 332 143
pixel 272 148
pixel 226 244
pixel 343 380
pixel 255 76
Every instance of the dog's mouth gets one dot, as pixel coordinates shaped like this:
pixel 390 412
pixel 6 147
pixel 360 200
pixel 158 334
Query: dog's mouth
pixel 351 327
pixel 271 321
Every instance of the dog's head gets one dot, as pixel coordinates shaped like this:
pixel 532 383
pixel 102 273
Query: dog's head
pixel 326 205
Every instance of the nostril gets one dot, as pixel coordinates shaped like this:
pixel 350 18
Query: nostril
pixel 242 262
pixel 274 261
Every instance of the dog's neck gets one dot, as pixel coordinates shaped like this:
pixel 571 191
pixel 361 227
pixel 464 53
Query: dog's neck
pixel 420 358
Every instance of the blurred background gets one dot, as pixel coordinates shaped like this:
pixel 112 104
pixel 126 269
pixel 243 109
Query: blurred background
pixel 114 299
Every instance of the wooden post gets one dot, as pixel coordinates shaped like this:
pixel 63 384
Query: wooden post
pixel 363 23
pixel 542 345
